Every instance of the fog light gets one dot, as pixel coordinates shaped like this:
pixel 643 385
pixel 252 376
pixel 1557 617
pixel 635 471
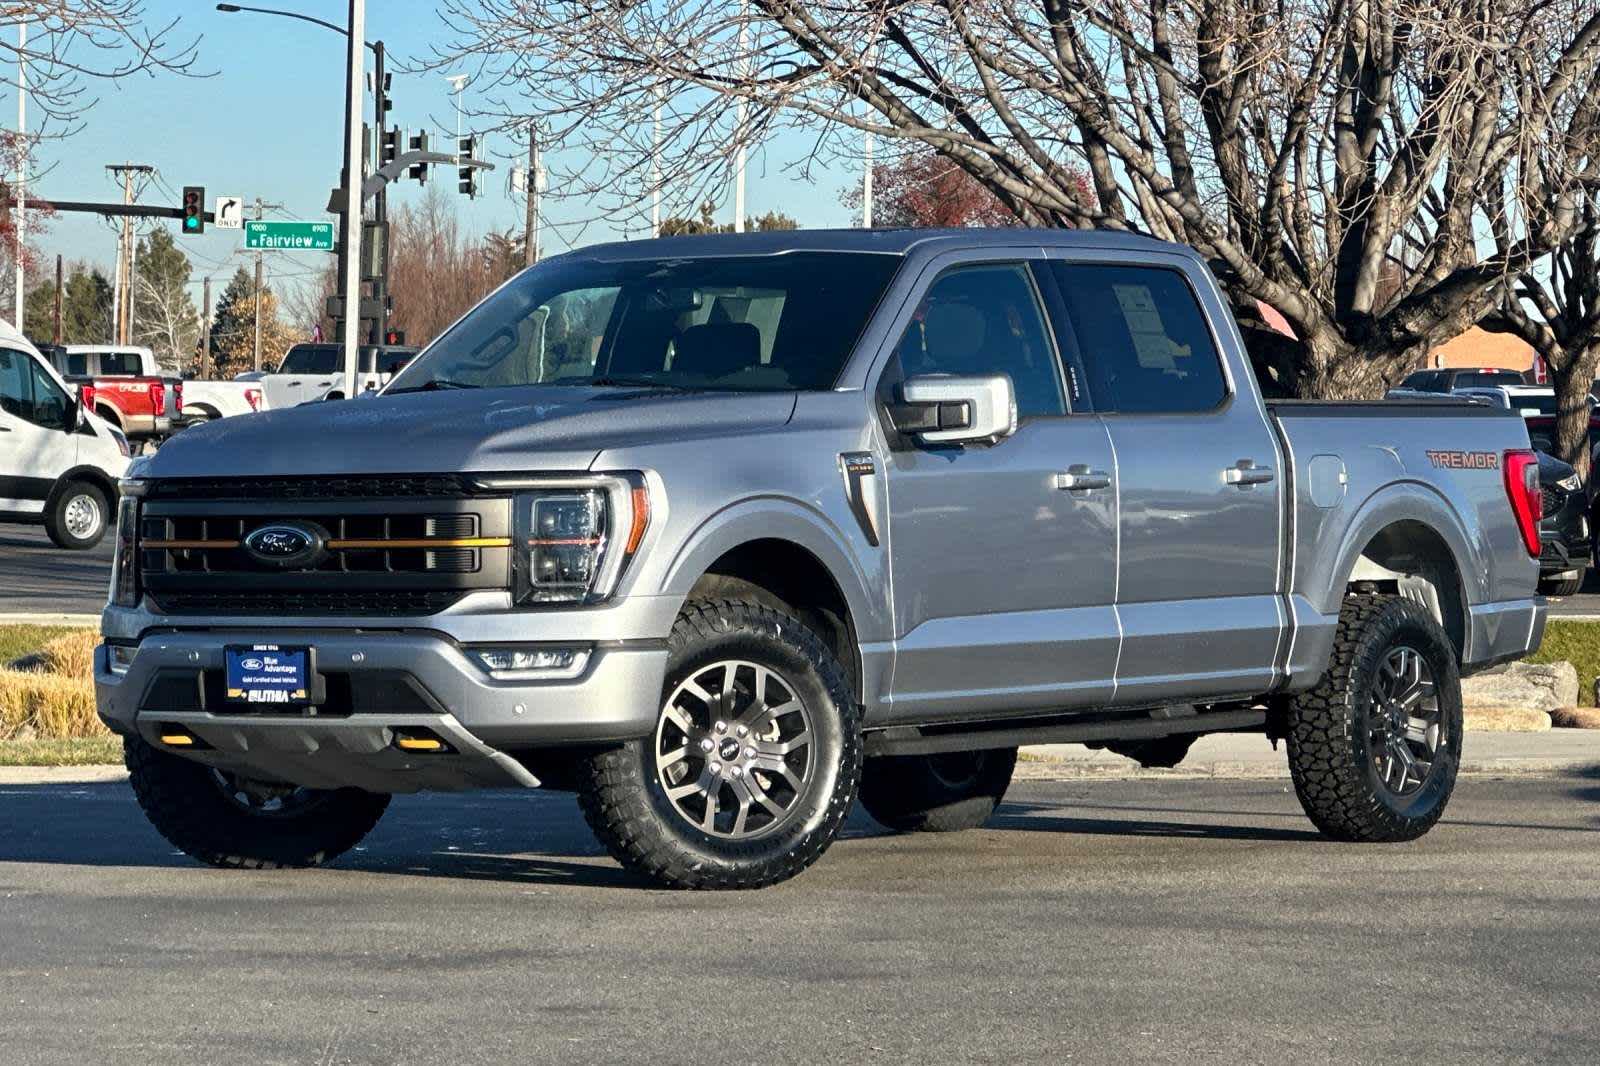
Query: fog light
pixel 532 663
pixel 120 657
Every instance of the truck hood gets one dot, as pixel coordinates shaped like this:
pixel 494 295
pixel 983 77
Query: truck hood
pixel 476 430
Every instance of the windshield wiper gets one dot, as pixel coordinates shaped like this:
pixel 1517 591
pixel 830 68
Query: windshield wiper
pixel 614 381
pixel 433 386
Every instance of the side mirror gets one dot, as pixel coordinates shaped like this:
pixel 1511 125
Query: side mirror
pixel 78 408
pixel 956 409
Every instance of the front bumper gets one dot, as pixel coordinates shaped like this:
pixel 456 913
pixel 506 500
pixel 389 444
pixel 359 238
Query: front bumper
pixel 380 684
pixel 1564 535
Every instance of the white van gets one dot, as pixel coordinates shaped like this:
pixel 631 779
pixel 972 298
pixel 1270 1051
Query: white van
pixel 59 463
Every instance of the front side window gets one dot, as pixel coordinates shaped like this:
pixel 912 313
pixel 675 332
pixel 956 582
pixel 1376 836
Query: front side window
pixel 49 400
pixel 1144 338
pixel 985 320
pixel 28 392
pixel 733 323
pixel 312 359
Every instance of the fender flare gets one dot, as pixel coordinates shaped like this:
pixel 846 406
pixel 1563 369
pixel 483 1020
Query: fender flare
pixel 778 518
pixel 96 477
pixel 1411 501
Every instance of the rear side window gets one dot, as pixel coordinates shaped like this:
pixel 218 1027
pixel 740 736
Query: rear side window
pixel 77 363
pixel 120 364
pixel 311 359
pixel 1143 337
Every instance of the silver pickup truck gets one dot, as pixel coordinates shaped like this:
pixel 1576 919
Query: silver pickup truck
pixel 724 532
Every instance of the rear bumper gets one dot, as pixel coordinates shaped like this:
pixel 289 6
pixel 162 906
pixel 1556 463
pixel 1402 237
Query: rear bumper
pixel 379 685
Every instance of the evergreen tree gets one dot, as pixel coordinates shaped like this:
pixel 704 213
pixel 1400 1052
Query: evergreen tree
pixel 233 327
pixel 85 309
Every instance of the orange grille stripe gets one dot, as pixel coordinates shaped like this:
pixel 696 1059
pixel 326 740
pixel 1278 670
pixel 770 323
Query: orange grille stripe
pixel 175 544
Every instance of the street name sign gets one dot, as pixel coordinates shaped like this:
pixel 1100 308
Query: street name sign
pixel 292 236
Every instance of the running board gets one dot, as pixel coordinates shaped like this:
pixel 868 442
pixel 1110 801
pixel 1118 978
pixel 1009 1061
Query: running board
pixel 1061 729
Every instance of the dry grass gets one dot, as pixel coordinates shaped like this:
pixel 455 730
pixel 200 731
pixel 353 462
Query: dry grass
pixel 53 700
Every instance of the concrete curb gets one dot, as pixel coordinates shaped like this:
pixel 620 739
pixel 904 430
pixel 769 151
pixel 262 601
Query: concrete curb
pixel 48 618
pixel 61 775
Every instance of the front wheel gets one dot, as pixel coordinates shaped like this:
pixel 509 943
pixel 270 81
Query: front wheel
pixel 77 517
pixel 236 822
pixel 936 793
pixel 1375 746
pixel 753 764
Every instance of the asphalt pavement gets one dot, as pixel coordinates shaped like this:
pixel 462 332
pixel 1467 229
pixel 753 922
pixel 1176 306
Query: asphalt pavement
pixel 1092 921
pixel 38 577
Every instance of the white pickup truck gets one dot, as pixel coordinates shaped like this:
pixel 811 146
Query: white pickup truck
pixel 315 371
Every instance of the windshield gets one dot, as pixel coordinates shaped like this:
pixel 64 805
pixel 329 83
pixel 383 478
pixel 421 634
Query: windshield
pixel 756 323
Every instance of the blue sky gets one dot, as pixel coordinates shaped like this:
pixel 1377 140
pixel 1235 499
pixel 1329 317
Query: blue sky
pixel 267 122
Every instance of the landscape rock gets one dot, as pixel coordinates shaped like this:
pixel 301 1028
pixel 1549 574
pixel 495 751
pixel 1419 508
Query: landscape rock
pixel 1506 719
pixel 1540 686
pixel 1575 718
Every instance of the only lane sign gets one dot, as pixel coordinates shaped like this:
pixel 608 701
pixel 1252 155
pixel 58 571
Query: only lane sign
pixel 291 236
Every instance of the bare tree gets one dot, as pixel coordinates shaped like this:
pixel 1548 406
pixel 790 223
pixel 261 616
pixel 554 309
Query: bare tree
pixel 1555 308
pixel 1311 148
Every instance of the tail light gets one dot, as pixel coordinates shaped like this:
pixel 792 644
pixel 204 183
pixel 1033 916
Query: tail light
pixel 1522 489
pixel 86 397
pixel 177 397
pixel 253 398
pixel 158 398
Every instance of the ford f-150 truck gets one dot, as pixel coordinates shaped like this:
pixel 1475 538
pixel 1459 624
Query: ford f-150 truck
pixel 724 531
pixel 130 390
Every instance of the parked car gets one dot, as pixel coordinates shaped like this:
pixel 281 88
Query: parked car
pixel 773 517
pixel 131 391
pixel 59 462
pixel 313 372
pixel 1529 401
pixel 1564 528
pixel 1449 379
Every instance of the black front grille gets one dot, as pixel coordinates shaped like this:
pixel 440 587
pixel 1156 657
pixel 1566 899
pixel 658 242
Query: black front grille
pixel 399 553
pixel 301 602
pixel 404 486
pixel 1551 500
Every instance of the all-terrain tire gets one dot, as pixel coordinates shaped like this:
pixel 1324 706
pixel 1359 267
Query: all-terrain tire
pixel 1563 586
pixel 1330 757
pixel 185 803
pixel 625 801
pixel 77 516
pixel 936 793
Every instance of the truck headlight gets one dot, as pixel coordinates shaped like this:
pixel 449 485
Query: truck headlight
pixel 574 537
pixel 1572 483
pixel 125 556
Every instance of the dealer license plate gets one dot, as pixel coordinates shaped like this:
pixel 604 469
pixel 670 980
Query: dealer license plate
pixel 267 673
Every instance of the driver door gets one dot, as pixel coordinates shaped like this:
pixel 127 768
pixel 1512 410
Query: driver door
pixel 35 446
pixel 1004 580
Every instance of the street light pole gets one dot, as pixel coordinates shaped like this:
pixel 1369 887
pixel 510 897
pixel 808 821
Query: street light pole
pixel 22 158
pixel 352 198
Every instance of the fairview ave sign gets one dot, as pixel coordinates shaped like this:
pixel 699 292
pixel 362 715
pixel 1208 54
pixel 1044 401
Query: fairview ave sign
pixel 296 236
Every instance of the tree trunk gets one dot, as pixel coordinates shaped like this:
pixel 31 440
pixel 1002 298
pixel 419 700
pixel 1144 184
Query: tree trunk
pixel 1334 369
pixel 1572 383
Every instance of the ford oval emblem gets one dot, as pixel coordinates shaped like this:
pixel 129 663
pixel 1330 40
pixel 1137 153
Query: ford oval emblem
pixel 287 545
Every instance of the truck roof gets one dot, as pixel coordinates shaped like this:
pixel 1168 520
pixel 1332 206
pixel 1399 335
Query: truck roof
pixel 881 241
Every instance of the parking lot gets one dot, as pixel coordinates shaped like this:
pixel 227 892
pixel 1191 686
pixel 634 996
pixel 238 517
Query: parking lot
pixel 1091 922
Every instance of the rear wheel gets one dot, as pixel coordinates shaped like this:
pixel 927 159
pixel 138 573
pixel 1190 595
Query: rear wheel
pixel 77 516
pixel 937 793
pixel 753 764
pixel 232 821
pixel 1375 747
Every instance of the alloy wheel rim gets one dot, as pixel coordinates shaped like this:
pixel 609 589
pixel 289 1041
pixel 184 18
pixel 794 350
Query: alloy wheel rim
pixel 82 516
pixel 1405 726
pixel 734 750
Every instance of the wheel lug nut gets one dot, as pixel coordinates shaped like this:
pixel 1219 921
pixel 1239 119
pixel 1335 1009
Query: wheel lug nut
pixel 716 768
pixel 749 753
pixel 742 730
pixel 722 727
pixel 737 771
pixel 706 745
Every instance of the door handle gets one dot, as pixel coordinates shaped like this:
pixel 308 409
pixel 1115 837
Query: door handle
pixel 1079 477
pixel 1245 473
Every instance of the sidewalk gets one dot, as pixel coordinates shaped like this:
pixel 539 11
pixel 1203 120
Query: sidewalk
pixel 1231 755
pixel 1244 755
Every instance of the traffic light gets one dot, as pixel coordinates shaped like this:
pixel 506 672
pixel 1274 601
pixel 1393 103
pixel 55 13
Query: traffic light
pixel 194 209
pixel 419 143
pixel 385 103
pixel 394 337
pixel 390 148
pixel 467 180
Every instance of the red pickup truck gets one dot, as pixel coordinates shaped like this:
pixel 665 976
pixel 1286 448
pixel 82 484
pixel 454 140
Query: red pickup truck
pixel 144 406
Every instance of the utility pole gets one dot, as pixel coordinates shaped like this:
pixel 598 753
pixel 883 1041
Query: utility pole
pixel 530 224
pixel 351 281
pixel 261 208
pixel 57 333
pixel 738 122
pixel 133 281
pixel 205 330
pixel 123 287
pixel 22 156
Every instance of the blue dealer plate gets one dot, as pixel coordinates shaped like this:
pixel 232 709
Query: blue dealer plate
pixel 267 673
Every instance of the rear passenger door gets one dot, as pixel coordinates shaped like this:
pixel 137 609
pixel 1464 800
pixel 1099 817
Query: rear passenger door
pixel 1197 475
